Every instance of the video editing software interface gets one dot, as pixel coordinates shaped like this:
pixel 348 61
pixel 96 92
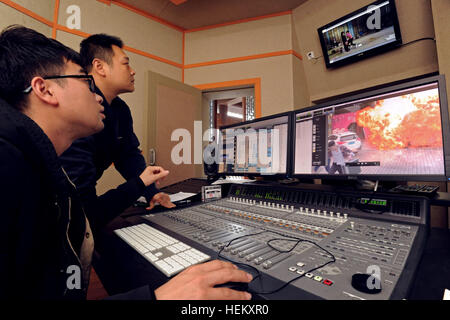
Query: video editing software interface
pixel 259 147
pixel 397 133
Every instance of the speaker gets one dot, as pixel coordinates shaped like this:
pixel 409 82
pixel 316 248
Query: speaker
pixel 210 166
pixel 210 169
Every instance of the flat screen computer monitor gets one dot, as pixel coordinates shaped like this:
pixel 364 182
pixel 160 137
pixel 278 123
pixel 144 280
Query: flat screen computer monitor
pixel 398 133
pixel 256 148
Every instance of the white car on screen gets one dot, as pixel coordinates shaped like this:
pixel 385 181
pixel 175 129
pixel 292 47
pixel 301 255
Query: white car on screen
pixel 348 139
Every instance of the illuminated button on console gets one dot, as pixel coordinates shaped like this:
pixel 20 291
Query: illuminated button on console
pixel 328 282
pixel 318 278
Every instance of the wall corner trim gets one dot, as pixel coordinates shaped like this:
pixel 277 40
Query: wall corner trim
pixel 107 2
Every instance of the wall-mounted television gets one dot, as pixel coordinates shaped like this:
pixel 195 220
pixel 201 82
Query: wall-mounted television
pixel 368 31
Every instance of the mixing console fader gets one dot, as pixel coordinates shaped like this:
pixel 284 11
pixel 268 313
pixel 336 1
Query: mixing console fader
pixel 310 243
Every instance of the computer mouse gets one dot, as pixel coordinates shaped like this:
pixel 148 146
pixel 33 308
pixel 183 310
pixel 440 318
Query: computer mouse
pixel 359 282
pixel 239 286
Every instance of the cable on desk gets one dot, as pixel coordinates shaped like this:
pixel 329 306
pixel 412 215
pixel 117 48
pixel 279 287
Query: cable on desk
pixel 298 240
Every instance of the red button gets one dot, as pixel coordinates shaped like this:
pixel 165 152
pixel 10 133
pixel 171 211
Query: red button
pixel 328 282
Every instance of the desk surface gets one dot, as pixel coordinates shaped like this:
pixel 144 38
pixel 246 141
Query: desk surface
pixel 121 269
pixel 441 199
pixel 433 272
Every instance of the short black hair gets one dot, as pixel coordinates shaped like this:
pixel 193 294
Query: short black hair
pixel 25 54
pixel 331 143
pixel 98 46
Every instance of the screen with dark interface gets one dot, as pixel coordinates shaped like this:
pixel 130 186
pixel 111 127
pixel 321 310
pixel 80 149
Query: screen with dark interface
pixel 398 133
pixel 259 147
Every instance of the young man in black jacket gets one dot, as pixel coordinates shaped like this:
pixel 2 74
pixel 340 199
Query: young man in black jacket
pixel 46 102
pixel 87 158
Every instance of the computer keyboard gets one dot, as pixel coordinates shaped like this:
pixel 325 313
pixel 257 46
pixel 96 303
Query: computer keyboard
pixel 417 189
pixel 166 253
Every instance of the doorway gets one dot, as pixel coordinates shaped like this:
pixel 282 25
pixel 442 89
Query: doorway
pixel 250 89
pixel 228 106
pixel 231 111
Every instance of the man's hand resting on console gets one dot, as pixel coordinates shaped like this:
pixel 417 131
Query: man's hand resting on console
pixel 154 175
pixel 197 283
pixel 161 198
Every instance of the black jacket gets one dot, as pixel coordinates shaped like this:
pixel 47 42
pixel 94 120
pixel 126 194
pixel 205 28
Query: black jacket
pixel 87 159
pixel 42 224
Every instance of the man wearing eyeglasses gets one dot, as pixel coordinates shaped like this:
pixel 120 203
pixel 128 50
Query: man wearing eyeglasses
pixel 87 159
pixel 46 102
pixel 48 105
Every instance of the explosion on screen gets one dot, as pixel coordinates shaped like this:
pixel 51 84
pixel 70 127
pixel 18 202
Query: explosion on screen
pixel 410 121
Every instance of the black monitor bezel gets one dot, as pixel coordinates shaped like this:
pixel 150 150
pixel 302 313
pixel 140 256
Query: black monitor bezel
pixel 370 52
pixel 289 114
pixel 440 79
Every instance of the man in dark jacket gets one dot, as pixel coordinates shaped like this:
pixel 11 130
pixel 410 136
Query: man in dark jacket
pixel 46 244
pixel 87 158
pixel 46 102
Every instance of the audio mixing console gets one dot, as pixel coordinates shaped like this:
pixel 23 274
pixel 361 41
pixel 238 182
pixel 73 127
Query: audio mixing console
pixel 309 243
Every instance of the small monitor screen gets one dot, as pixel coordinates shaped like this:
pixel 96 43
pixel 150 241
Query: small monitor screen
pixel 365 31
pixel 256 148
pixel 396 134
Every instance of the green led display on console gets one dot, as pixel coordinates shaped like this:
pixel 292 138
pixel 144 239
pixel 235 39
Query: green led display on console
pixel 271 196
pixel 376 202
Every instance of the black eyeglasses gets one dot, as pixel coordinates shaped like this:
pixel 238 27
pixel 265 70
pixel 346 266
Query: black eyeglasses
pixel 87 77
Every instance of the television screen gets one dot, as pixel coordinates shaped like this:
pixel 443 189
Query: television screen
pixel 368 31
pixel 398 133
pixel 259 147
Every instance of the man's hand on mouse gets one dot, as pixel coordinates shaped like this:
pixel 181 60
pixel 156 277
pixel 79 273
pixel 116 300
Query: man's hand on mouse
pixel 197 283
